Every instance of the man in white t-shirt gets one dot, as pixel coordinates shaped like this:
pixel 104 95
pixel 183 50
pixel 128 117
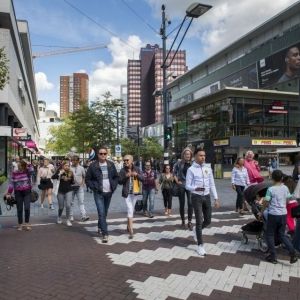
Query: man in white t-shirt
pixel 78 192
pixel 102 179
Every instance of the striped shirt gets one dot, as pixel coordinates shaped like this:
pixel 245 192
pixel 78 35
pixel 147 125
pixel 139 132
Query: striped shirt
pixel 20 180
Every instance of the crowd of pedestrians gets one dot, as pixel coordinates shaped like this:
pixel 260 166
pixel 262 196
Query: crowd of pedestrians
pixel 190 179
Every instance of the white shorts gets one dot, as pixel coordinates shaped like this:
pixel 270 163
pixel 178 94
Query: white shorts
pixel 130 203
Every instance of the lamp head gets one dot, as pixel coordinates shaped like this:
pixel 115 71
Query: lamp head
pixel 195 10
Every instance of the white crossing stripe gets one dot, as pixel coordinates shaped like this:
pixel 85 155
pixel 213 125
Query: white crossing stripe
pixel 155 236
pixel 161 224
pixel 181 287
pixel 145 256
pixel 156 218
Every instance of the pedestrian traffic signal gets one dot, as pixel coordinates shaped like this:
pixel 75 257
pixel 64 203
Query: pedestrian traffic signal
pixel 168 134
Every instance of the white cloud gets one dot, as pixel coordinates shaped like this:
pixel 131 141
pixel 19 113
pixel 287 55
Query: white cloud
pixel 42 83
pixel 53 106
pixel 226 22
pixel 108 77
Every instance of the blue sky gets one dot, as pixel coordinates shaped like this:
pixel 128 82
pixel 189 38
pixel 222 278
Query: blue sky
pixel 55 23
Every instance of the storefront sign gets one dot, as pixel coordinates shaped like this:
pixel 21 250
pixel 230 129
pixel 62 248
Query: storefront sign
pixel 5 131
pixel 218 143
pixel 274 143
pixel 30 144
pixel 20 132
pixel 277 108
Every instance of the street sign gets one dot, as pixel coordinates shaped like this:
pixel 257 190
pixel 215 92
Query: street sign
pixel 118 150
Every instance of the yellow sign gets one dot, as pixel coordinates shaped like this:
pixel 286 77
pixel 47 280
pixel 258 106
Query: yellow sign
pixel 221 143
pixel 267 142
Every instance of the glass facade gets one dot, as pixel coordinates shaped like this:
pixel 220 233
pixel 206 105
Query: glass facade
pixel 237 116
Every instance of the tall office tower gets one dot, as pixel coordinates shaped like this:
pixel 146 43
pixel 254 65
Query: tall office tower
pixel 148 81
pixel 177 68
pixel 124 113
pixel 134 92
pixel 74 92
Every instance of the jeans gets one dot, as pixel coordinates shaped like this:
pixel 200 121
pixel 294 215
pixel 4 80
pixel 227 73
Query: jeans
pixel 79 194
pixel 64 200
pixel 181 195
pixel 202 209
pixel 23 198
pixel 148 194
pixel 102 201
pixel 296 239
pixel 276 224
pixel 239 197
pixel 167 195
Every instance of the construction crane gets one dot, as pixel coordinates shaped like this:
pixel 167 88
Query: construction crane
pixel 67 50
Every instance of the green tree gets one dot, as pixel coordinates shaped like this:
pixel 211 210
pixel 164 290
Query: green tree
pixel 151 148
pixel 4 71
pixel 129 147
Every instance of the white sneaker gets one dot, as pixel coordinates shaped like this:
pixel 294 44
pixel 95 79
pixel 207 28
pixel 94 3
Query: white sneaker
pixel 201 251
pixel 72 218
pixel 59 220
pixel 69 223
pixel 194 234
pixel 42 205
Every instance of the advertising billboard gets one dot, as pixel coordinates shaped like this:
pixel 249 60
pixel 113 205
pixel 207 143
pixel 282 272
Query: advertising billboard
pixel 279 67
pixel 244 78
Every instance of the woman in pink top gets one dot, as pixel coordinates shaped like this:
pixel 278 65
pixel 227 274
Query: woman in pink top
pixel 253 168
pixel 20 184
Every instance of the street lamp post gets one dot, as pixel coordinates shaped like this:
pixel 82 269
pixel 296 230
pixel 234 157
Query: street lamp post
pixel 195 10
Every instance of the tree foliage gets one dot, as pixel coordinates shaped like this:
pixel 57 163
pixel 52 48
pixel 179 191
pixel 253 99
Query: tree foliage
pixel 151 148
pixel 88 127
pixel 4 70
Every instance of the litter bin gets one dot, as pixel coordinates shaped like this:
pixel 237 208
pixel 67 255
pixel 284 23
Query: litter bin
pixel 218 171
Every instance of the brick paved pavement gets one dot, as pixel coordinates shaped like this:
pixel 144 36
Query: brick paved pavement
pixel 57 262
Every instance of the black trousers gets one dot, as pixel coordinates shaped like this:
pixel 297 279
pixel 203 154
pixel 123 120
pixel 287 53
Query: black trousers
pixel 202 209
pixel 277 224
pixel 239 197
pixel 23 199
pixel 181 195
pixel 167 195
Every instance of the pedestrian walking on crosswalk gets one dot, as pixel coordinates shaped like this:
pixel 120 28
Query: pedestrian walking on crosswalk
pixel 200 182
pixel 102 179
pixel 131 178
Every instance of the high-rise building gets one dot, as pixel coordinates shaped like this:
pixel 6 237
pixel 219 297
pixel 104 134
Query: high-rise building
pixel 123 98
pixel 74 92
pixel 145 80
pixel 134 92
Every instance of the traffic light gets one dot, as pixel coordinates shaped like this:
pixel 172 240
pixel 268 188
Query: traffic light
pixel 168 134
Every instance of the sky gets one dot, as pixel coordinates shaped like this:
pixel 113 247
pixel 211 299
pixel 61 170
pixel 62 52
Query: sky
pixel 123 27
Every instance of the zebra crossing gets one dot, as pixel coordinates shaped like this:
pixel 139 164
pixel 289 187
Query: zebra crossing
pixel 234 264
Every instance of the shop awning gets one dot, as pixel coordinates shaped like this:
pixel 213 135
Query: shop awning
pixel 288 150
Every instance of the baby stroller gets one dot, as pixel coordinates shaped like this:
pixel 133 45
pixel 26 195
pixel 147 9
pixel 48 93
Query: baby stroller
pixel 255 227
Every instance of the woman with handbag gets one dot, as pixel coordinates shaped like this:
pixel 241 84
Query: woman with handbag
pixel 65 191
pixel 166 182
pixel 130 177
pixel 44 174
pixel 20 184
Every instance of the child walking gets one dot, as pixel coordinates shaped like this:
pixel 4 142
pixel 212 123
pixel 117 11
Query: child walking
pixel 277 197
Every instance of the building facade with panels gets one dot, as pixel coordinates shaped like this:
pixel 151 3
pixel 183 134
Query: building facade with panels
pixel 19 130
pixel 144 79
pixel 245 96
pixel 74 92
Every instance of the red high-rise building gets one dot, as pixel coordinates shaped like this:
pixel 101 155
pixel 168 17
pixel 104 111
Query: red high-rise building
pixel 74 92
pixel 144 77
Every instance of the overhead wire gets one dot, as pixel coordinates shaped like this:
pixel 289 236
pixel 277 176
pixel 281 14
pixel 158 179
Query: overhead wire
pixel 140 17
pixel 97 23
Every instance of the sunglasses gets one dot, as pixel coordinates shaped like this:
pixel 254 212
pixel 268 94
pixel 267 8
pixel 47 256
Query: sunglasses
pixel 102 153
pixel 148 165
